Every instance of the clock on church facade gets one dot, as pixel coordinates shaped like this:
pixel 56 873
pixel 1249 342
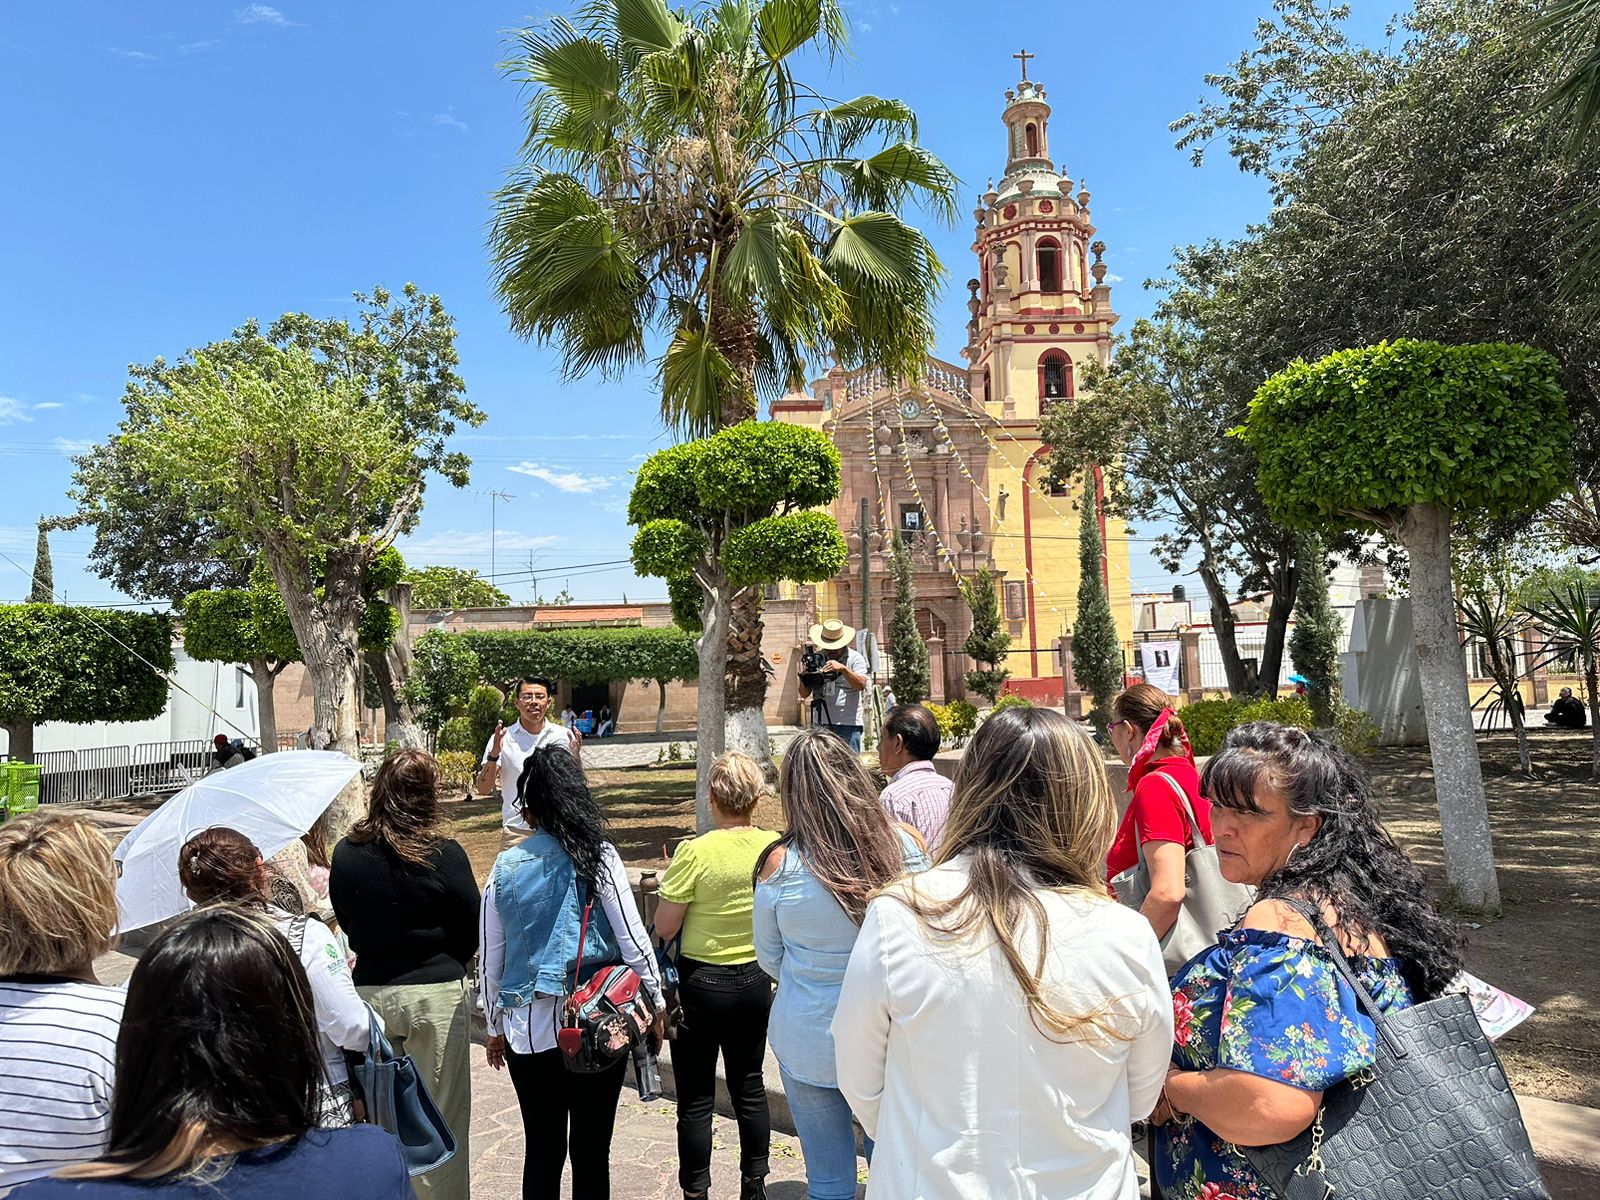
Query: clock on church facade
pixel 953 465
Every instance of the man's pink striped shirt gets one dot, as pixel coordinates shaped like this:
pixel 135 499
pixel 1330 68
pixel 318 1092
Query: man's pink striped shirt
pixel 918 795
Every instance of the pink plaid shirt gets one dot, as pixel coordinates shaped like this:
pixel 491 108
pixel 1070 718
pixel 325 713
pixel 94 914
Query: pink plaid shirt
pixel 918 795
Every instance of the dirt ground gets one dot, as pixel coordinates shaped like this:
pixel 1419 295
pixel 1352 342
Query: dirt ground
pixel 1547 843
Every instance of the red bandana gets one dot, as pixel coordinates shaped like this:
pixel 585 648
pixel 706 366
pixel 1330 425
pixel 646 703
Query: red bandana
pixel 1147 752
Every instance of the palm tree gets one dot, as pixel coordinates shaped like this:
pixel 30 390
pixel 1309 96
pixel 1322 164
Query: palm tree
pixel 1571 30
pixel 1568 618
pixel 1489 616
pixel 679 183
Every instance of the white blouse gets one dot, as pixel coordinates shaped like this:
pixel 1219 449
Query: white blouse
pixel 942 1064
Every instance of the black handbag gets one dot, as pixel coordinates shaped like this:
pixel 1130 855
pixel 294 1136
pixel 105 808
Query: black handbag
pixel 1433 1119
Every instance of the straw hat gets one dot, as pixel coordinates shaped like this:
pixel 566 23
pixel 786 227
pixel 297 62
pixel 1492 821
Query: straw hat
pixel 832 634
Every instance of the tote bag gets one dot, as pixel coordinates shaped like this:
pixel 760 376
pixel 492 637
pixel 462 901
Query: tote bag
pixel 1210 902
pixel 398 1100
pixel 1434 1119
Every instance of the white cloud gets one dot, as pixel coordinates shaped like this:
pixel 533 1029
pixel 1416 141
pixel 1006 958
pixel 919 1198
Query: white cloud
pixel 48 405
pixel 1113 278
pixel 199 47
pixel 136 55
pixel 12 411
pixel 456 544
pixel 73 447
pixel 564 481
pixel 449 119
pixel 864 26
pixel 261 14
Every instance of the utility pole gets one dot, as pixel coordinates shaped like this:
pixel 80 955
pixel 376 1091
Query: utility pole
pixel 494 499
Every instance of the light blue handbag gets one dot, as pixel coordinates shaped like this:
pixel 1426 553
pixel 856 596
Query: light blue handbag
pixel 398 1100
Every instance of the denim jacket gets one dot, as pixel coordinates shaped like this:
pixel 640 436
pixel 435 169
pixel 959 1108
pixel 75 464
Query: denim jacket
pixel 537 895
pixel 803 940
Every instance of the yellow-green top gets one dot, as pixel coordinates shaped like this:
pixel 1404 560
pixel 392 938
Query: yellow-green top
pixel 712 874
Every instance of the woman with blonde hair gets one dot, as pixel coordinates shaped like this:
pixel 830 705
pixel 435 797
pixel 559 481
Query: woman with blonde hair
pixel 1165 809
pixel 708 895
pixel 407 900
pixel 814 885
pixel 1003 1021
pixel 58 1024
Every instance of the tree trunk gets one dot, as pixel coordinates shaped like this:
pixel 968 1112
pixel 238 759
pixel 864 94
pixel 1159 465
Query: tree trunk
pixel 1591 681
pixel 20 734
pixel 326 631
pixel 1452 739
pixel 661 706
pixel 1222 624
pixel 390 670
pixel 266 681
pixel 745 680
pixel 710 732
pixel 1520 728
pixel 1285 588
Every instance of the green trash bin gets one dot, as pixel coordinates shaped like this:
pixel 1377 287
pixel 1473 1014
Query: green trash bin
pixel 20 788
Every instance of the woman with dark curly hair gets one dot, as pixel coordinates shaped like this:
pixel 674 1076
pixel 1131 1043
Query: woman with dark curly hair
pixel 1263 1021
pixel 533 915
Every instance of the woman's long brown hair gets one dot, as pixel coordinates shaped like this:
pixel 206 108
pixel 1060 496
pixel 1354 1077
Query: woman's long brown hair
pixel 403 812
pixel 835 820
pixel 1032 808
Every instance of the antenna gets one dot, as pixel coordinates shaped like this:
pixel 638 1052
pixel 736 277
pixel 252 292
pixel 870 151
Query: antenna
pixel 494 499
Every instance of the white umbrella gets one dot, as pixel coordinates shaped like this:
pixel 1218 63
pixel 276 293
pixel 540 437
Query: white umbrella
pixel 272 800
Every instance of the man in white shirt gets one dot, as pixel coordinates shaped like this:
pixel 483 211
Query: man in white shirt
pixel 508 750
pixel 840 682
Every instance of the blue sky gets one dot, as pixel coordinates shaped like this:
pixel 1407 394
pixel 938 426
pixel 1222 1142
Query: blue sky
pixel 171 170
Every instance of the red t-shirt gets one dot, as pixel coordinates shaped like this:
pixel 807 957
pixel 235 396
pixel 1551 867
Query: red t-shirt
pixel 1155 814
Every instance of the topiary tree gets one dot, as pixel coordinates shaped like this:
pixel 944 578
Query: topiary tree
pixel 44 574
pixel 1096 649
pixel 988 642
pixel 248 626
pixel 62 663
pixel 1314 644
pixel 731 511
pixel 907 651
pixel 1401 437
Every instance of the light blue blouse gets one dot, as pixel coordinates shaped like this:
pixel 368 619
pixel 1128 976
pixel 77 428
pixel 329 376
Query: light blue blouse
pixel 803 940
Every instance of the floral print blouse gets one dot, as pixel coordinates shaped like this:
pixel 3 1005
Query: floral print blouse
pixel 1271 1005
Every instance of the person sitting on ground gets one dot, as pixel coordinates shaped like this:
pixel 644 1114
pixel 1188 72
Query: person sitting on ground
pixel 58 1025
pixel 1567 712
pixel 564 882
pixel 1264 1022
pixel 708 893
pixel 606 724
pixel 814 884
pixel 218 1073
pixel 222 866
pixel 230 753
pixel 916 794
pixel 1162 779
pixel 1003 1021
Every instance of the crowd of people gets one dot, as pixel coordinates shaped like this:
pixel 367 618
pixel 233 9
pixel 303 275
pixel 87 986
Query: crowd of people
pixel 942 969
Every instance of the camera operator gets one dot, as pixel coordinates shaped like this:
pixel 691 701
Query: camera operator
pixel 834 684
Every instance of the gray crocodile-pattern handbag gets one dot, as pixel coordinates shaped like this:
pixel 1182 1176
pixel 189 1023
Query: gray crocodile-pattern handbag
pixel 1434 1119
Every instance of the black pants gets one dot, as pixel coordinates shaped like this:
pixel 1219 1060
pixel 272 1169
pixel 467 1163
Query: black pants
pixel 549 1095
pixel 724 1009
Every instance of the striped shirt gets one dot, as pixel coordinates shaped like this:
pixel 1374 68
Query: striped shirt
pixel 58 1048
pixel 919 796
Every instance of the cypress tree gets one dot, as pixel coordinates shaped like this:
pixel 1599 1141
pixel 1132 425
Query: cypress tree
pixel 988 642
pixel 1096 650
pixel 1314 644
pixel 44 575
pixel 907 651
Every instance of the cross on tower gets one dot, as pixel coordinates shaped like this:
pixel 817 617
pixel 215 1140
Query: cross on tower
pixel 1024 57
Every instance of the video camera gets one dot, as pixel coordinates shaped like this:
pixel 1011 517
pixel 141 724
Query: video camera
pixel 812 661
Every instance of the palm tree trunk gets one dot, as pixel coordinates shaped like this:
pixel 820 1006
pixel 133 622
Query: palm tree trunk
pixel 711 730
pixel 745 678
pixel 1591 681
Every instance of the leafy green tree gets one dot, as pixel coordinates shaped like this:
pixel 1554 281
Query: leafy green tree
pixel 443 676
pixel 248 626
pixel 1314 646
pixel 44 575
pixel 735 510
pixel 299 461
pixel 907 650
pixel 988 643
pixel 1096 649
pixel 1568 618
pixel 584 656
pixel 63 663
pixel 679 181
pixel 1398 438
pixel 453 587
pixel 157 539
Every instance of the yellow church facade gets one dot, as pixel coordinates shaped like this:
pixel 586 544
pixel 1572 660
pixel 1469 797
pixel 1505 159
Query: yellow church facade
pixel 954 465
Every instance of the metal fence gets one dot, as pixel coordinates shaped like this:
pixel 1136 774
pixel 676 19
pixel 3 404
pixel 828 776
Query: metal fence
pixel 118 772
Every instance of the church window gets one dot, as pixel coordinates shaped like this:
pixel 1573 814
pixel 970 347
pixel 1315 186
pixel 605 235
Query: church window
pixel 1033 141
pixel 986 385
pixel 1016 602
pixel 1049 267
pixel 1055 379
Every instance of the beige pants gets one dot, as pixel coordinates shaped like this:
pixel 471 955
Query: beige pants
pixel 432 1022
